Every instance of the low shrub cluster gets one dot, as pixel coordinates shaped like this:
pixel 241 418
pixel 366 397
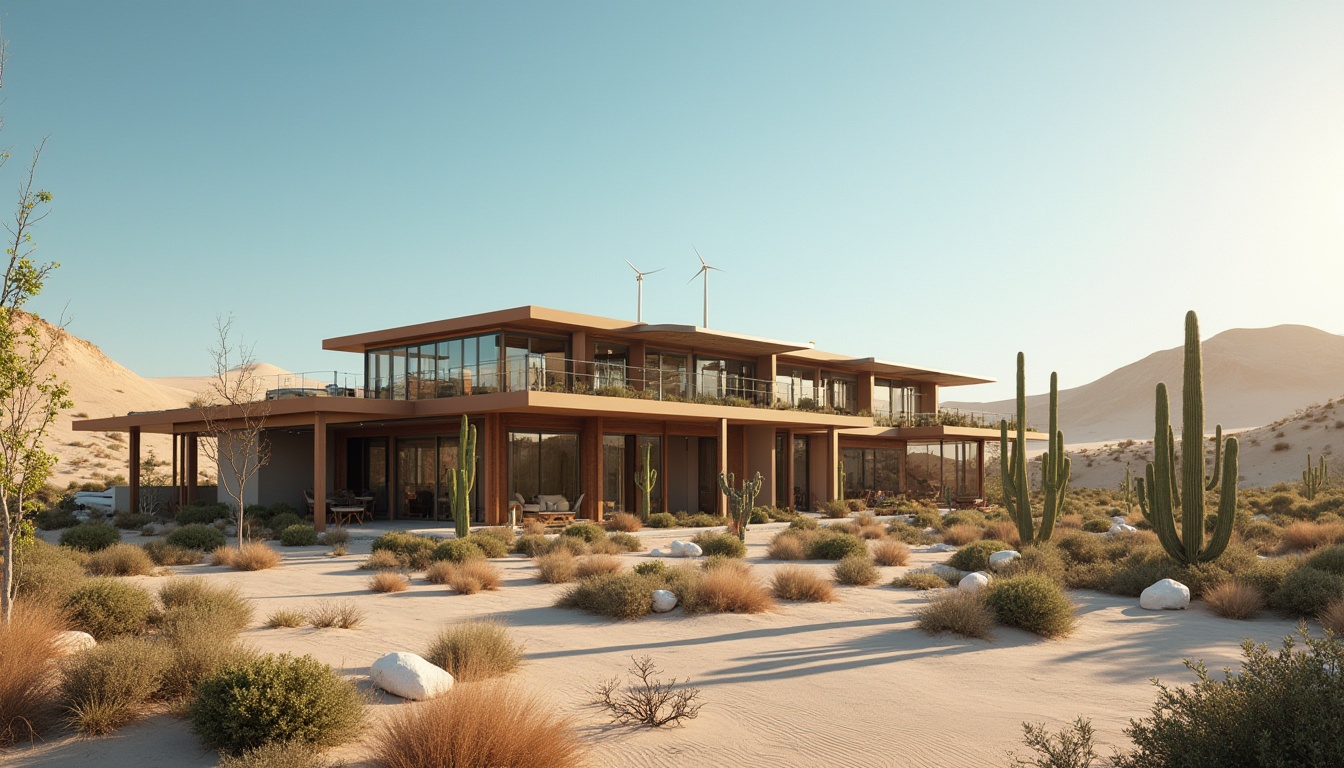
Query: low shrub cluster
pixel 1031 602
pixel 203 538
pixel 975 556
pixel 90 537
pixel 475 650
pixel 163 553
pixel 961 613
pixel 107 608
pixel 203 514
pixel 298 535
pixel 28 658
pixel 856 570
pixel 798 583
pixel 587 531
pixel 726 544
pixel 412 551
pixel 252 556
pixel 921 580
pixel 121 560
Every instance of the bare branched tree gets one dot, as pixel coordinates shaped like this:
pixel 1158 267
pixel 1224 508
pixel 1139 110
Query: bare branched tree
pixel 646 700
pixel 31 395
pixel 234 410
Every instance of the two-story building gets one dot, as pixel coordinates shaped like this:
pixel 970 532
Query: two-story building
pixel 567 406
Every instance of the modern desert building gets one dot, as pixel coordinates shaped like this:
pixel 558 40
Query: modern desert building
pixel 566 407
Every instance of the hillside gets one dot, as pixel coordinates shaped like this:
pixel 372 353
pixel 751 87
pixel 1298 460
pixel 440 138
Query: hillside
pixel 1252 376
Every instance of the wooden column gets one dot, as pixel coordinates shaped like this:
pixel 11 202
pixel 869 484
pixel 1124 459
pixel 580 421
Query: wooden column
pixel 662 470
pixel 135 469
pixel 191 455
pixel 491 446
pixel 320 471
pixel 833 464
pixel 723 465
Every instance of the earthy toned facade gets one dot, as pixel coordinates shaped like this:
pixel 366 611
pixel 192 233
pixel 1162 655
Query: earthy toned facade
pixel 567 406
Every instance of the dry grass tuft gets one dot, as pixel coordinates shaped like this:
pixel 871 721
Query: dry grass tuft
pixel 856 571
pixel 595 564
pixel 724 590
pixel 521 731
pixel 1234 600
pixel 717 562
pixel 252 556
pixel 1301 536
pixel 961 613
pixel 556 566
pixel 474 651
pixel 796 582
pixel 1005 531
pixel 344 615
pixel 222 556
pixel 389 581
pixel 276 754
pixel 121 560
pixel 787 547
pixel 112 684
pixel 1332 617
pixel 286 618
pixel 474 575
pixel 381 560
pixel 624 521
pixel 439 572
pixel 28 656
pixel 961 534
pixel 890 552
pixel 921 580
pixel 873 531
pixel 222 600
pixel 532 527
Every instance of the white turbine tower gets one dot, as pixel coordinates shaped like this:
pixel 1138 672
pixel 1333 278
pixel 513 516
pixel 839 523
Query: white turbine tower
pixel 639 281
pixel 704 270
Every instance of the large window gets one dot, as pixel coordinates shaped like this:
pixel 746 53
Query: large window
pixel 448 368
pixel 668 374
pixel 872 470
pixel 724 378
pixel 839 391
pixel 536 363
pixel 797 387
pixel 544 464
pixel 893 398
pixel 933 469
pixel 422 477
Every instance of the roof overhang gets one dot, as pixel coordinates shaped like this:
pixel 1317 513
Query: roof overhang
pixel 885 368
pixel 540 318
pixel 696 337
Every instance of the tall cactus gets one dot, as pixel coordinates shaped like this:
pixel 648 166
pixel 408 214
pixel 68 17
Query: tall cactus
pixel 1159 496
pixel 1055 466
pixel 1313 479
pixel 462 479
pixel 740 501
pixel 1127 492
pixel 645 480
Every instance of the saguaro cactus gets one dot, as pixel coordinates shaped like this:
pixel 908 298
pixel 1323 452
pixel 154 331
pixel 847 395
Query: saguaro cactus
pixel 645 479
pixel 740 501
pixel 1159 495
pixel 1313 479
pixel 1055 466
pixel 463 478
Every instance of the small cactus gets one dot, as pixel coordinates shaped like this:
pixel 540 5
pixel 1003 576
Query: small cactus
pixel 645 480
pixel 1055 466
pixel 463 478
pixel 740 501
pixel 1314 479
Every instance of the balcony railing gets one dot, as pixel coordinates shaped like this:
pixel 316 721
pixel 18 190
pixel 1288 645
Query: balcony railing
pixel 947 417
pixel 282 386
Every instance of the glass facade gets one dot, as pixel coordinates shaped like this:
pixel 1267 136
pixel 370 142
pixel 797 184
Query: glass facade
pixel 543 463
pixel 720 377
pixel 930 468
pixel 872 470
pixel 462 366
pixel 622 462
pixel 892 398
pixel 668 373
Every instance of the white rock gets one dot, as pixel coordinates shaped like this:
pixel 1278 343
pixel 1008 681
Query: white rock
pixel 1121 528
pixel 1166 594
pixel 67 643
pixel 409 676
pixel 663 601
pixel 941 547
pixel 998 560
pixel 1259 517
pixel 656 553
pixel 947 572
pixel 974 582
pixel 685 549
pixel 1119 519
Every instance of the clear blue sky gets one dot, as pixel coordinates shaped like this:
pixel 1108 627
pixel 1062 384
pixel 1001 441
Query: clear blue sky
pixel 935 183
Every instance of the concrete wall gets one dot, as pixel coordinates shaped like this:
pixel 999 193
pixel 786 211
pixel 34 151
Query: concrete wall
pixel 164 495
pixel 683 492
pixel 761 458
pixel 290 470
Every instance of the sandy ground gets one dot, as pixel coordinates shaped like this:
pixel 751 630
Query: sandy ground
pixel 850 683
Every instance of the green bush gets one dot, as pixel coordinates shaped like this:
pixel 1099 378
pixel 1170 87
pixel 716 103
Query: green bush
pixel 725 544
pixel 804 523
pixel 196 536
pixel 131 521
pixel 1306 592
pixel 701 520
pixel 1032 602
pixel 90 536
pixel 532 544
pixel 46 573
pixel 661 520
pixel 1329 559
pixel 106 608
pixel 622 595
pixel 202 514
pixel 490 545
pixel 834 509
pixel 163 553
pixel 55 518
pixel 258 513
pixel 276 754
pixel 271 698
pixel 279 523
pixel 457 551
pixel 112 684
pixel 223 601
pixel 832 545
pixel 975 556
pixel 921 580
pixel 651 568
pixel 759 516
pixel 121 560
pixel 299 535
pixel 628 542
pixel 1274 711
pixel 589 532
pixel 1097 525
pixel 1268 575
pixel 411 550
pixel 856 570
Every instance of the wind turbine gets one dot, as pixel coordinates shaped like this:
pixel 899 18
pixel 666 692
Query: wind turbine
pixel 704 270
pixel 639 280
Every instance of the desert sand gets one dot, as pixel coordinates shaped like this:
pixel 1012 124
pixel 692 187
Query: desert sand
pixel 850 683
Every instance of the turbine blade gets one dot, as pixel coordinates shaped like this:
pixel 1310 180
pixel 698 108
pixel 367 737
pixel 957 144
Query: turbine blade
pixel 698 256
pixel 632 266
pixel 697 274
pixel 660 269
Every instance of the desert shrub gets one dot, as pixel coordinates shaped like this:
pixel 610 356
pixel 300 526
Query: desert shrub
pixel 646 699
pixel 1031 602
pixel 969 517
pixel 130 521
pixel 253 556
pixel 890 552
pixel 200 641
pixel 1140 570
pixel 628 542
pixel 624 521
pixel 1268 713
pixel 1302 536
pixel 715 562
pixel 651 568
pixel 389 581
pixel 202 514
pixel 786 546
pixel 603 546
pixel 163 553
pixel 106 608
pixel 275 698
pixel 1332 617
pixel 662 520
pixel 286 618
pixel 531 544
pixel 625 595
pixel 556 567
pixel 834 509
pixel 381 560
pixel 27 662
pixel 222 556
pixel 961 613
pixel 595 564
pixel 726 590
pixel 490 546
pixel 90 536
pixel 1306 592
pixel 121 560
pixel 458 551
pixel 1269 574
pixel 298 535
pixel 1081 547
pixel 502 533
pixel 1044 559
pixel 196 536
pixel 438 572
pixel 44 573
pixel 908 533
pixel 112 684
pixel 975 556
pixel 1005 531
pixel 533 527
pixel 1071 747
pixel 276 754
pixel 856 570
pixel 1330 559
pixel 55 518
pixel 222 600
pixel 283 521
pixel 1234 600
pixel 414 552
pixel 957 535
pixel 921 580
pixel 725 544
pixel 521 732
pixel 340 615
pixel 759 516
pixel 795 582
pixel 804 523
pixel 584 530
pixel 475 650
pixel 928 518
pixel 844 526
pixel 835 546
pixel 873 531
pixel 572 544
pixel 336 537
pixel 472 576
pixel 701 520
pixel 1097 524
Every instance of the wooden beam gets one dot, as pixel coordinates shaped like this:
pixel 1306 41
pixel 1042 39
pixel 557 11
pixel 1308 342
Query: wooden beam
pixel 135 469
pixel 723 466
pixel 320 471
